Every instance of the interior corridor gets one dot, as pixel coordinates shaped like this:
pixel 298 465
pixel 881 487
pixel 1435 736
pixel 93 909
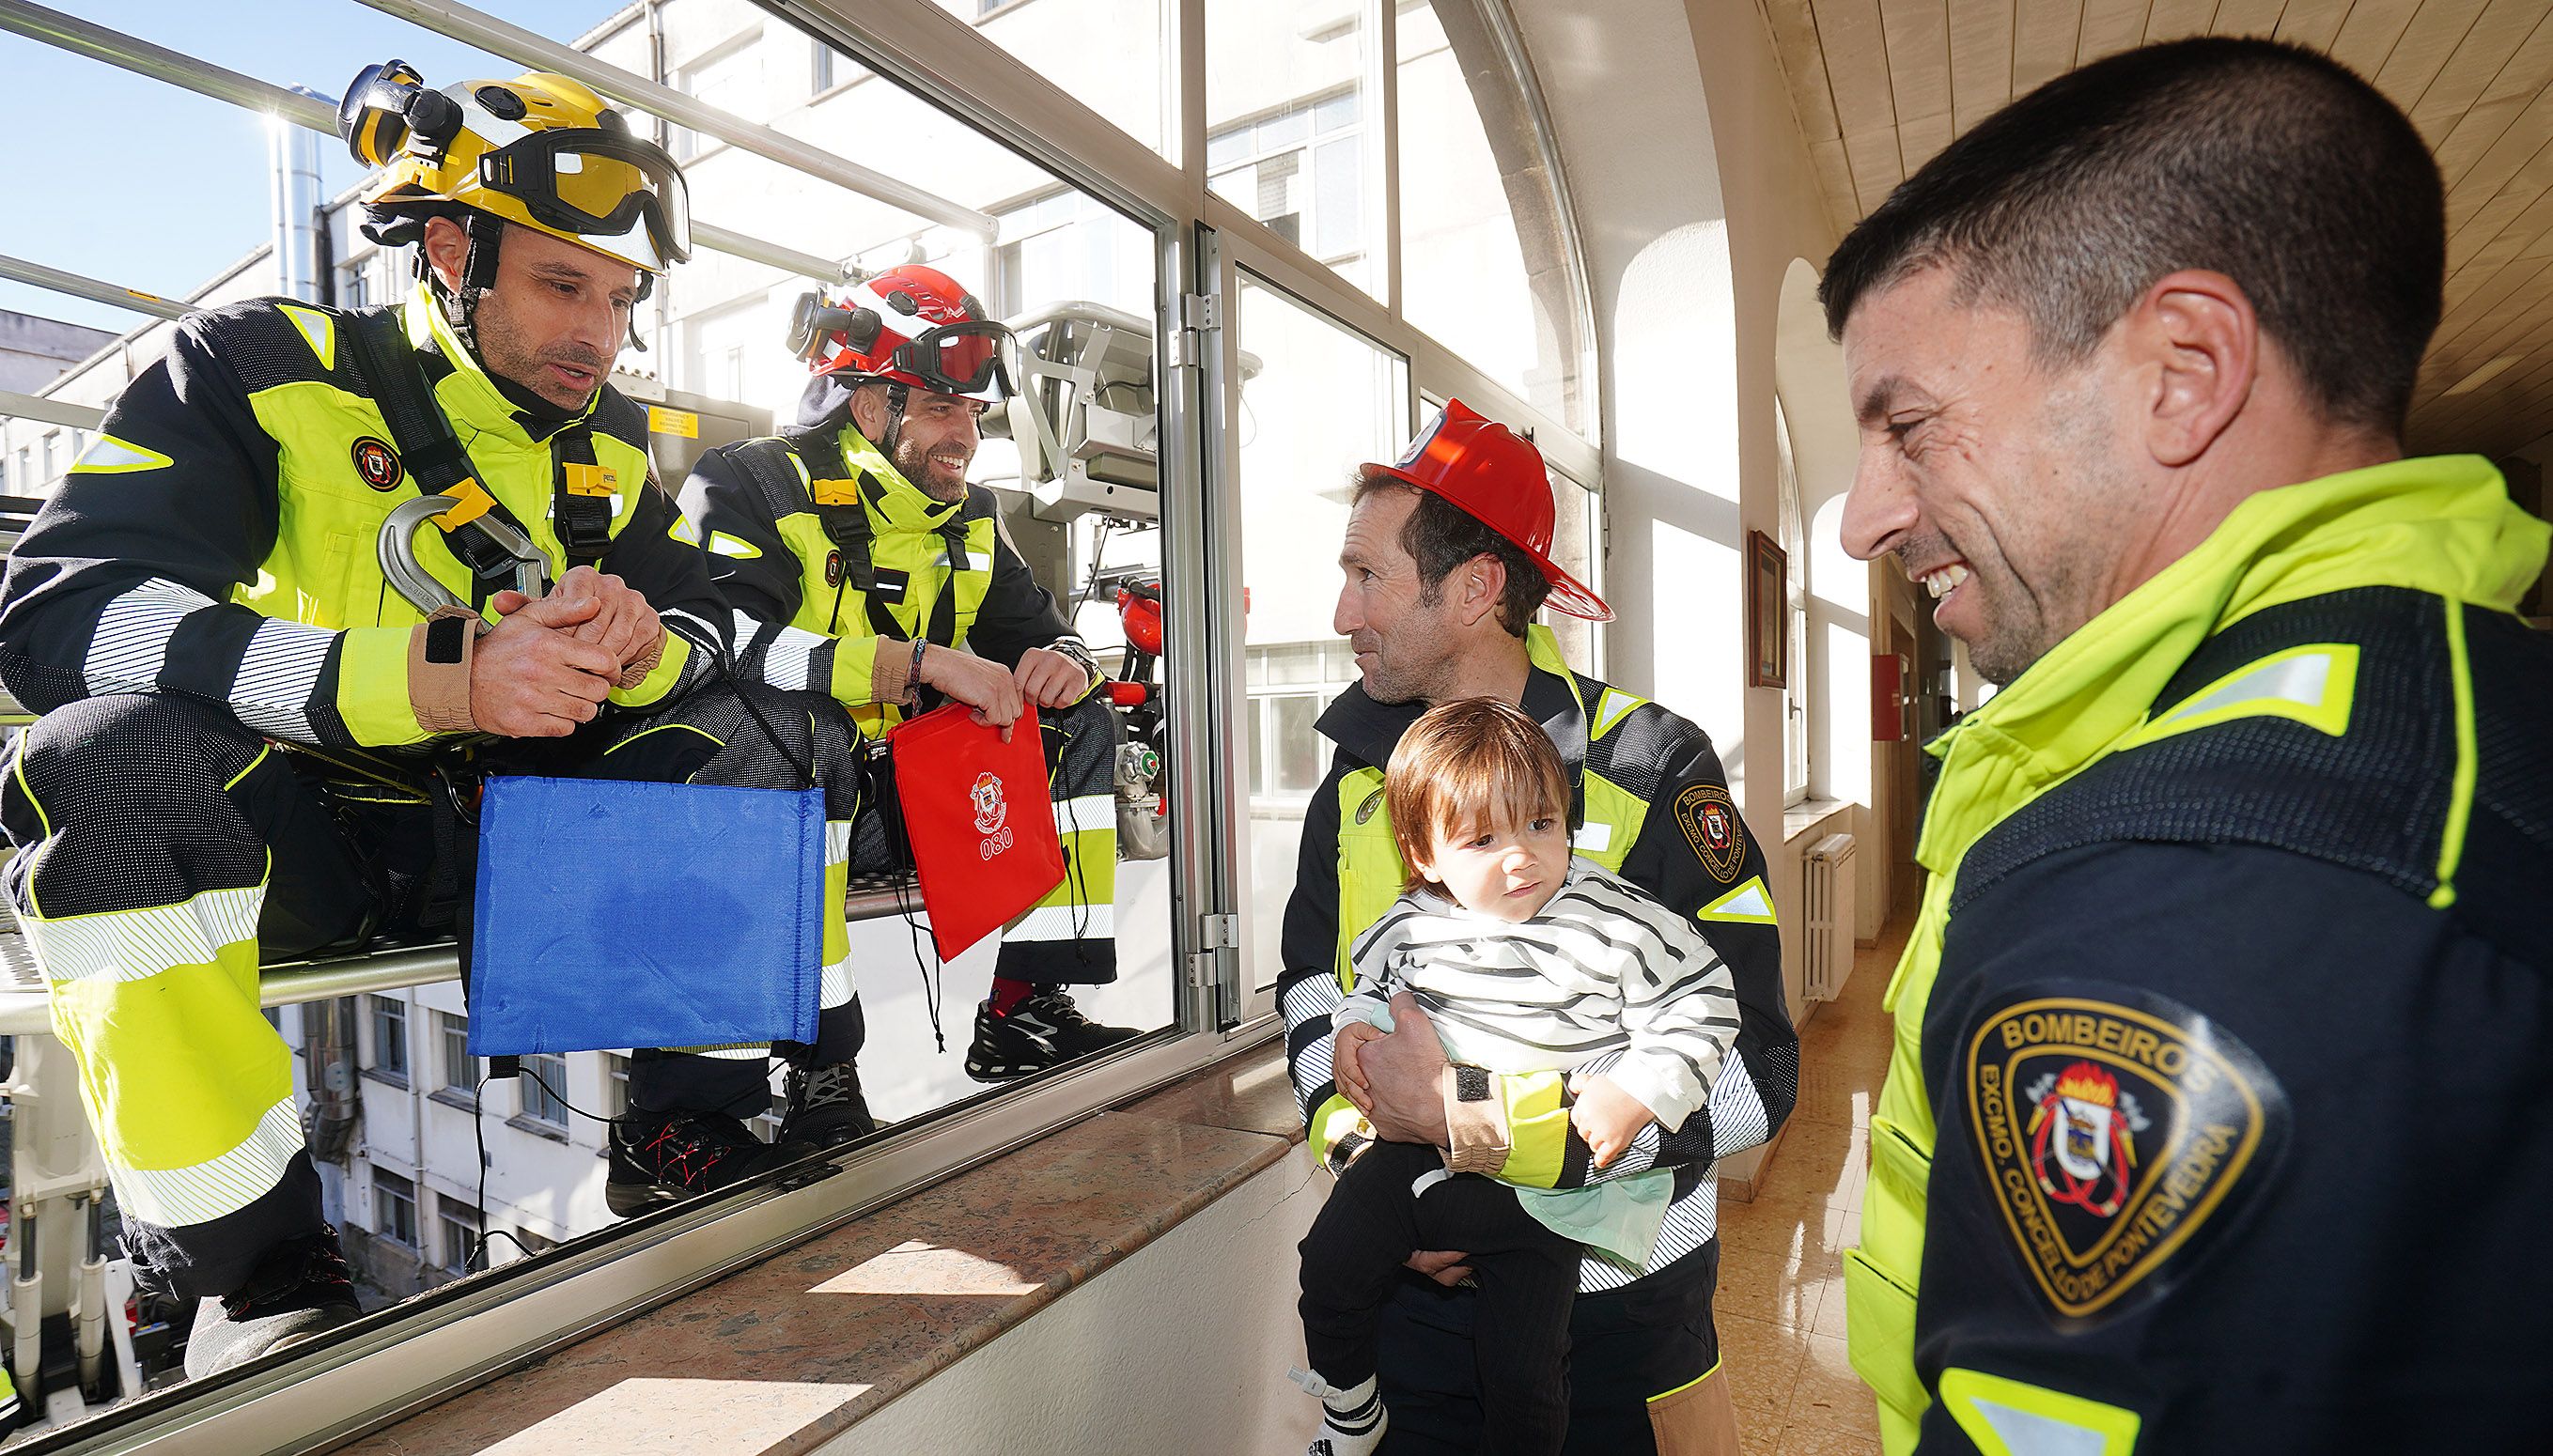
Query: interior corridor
pixel 1780 1304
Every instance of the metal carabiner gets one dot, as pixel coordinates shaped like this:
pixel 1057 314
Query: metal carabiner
pixel 396 550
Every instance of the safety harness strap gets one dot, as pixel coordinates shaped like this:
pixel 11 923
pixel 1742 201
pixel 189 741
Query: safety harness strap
pixel 433 455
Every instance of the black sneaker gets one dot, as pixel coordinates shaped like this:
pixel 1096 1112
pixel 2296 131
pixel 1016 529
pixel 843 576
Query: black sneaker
pixel 659 1158
pixel 300 1291
pixel 826 1108
pixel 1043 1031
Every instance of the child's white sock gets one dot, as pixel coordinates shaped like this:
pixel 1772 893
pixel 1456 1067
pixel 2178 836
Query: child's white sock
pixel 1352 1420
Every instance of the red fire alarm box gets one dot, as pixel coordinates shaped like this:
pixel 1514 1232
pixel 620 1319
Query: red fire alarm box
pixel 1888 698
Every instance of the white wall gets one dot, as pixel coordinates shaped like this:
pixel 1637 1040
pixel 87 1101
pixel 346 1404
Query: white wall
pixel 1182 1347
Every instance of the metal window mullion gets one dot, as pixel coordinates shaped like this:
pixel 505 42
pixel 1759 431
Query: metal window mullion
pixel 1382 185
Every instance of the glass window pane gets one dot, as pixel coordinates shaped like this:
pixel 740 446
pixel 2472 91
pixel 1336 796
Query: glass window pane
pixel 1277 72
pixel 1577 521
pixel 1317 401
pixel 390 1035
pixel 1483 263
pixel 1110 56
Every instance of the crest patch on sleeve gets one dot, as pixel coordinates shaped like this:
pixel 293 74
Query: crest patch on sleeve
pixel 2111 1134
pixel 1710 825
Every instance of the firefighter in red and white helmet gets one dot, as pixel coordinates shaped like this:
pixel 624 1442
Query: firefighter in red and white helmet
pixel 853 544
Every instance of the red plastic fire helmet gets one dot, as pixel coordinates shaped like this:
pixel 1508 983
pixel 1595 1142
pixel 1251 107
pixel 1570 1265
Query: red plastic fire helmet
pixel 1498 478
pixel 910 325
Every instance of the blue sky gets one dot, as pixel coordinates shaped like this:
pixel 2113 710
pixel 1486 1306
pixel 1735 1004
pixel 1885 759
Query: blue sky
pixel 143 184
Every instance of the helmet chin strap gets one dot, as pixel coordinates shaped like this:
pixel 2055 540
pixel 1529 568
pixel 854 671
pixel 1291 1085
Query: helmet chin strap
pixel 897 395
pixel 478 275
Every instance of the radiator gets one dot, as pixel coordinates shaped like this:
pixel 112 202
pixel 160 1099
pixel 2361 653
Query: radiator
pixel 1828 875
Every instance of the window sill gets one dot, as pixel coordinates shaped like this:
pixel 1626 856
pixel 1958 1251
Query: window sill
pixel 867 1313
pixel 459 1101
pixel 385 1079
pixel 537 1127
pixel 1805 816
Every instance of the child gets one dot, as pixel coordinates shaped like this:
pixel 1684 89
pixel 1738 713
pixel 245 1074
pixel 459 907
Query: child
pixel 1526 961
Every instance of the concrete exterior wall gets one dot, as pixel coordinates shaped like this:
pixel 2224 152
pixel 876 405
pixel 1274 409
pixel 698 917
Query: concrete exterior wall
pixel 34 352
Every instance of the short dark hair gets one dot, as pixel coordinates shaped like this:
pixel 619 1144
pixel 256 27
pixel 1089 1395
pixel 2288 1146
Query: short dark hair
pixel 1460 766
pixel 1440 535
pixel 2275 165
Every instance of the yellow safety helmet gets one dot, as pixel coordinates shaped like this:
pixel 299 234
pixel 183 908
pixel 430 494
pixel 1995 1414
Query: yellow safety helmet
pixel 542 150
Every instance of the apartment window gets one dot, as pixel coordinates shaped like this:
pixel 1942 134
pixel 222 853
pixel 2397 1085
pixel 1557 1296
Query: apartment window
pixel 359 289
pixel 1067 246
pixel 461 1071
pixel 616 1085
pixel 52 454
pixel 729 78
pixel 393 1207
pixel 457 1231
pixel 820 78
pixel 543 1103
pixel 389 1036
pixel 1290 683
pixel 1302 172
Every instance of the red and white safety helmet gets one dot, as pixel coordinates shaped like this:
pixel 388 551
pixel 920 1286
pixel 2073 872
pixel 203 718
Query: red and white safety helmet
pixel 1497 478
pixel 909 325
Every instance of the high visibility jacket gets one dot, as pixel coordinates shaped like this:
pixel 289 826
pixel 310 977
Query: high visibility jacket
pixel 1652 805
pixel 2214 1121
pixel 218 538
pixel 937 569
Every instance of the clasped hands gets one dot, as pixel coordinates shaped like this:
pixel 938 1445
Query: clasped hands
pixel 547 665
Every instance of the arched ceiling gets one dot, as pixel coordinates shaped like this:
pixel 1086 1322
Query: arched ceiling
pixel 1880 85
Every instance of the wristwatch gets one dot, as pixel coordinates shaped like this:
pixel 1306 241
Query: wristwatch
pixel 1476 1123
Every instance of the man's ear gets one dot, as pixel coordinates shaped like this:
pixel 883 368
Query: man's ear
pixel 1478 584
pixel 868 412
pixel 447 248
pixel 2195 335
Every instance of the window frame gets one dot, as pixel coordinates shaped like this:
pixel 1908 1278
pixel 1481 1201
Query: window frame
pixel 387 1361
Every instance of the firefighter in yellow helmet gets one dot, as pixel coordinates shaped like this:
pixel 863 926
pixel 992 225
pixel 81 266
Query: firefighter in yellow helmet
pixel 249 736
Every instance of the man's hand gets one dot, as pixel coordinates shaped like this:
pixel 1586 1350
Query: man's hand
pixel 623 624
pixel 1444 1266
pixel 986 686
pixel 530 678
pixel 1050 678
pixel 1404 1074
pixel 1343 1070
pixel 1607 1116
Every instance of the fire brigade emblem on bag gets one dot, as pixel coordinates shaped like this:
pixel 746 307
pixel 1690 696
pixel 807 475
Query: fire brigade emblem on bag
pixel 2111 1134
pixel 992 815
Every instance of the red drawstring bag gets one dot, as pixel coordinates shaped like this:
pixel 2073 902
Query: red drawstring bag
pixel 979 819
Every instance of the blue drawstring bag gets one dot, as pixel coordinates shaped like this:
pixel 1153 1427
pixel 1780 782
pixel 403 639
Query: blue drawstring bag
pixel 613 913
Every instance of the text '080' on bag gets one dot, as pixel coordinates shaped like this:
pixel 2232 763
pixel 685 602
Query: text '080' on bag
pixel 980 818
pixel 630 914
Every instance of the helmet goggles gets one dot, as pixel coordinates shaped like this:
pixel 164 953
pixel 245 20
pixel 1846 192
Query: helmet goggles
pixel 596 183
pixel 970 358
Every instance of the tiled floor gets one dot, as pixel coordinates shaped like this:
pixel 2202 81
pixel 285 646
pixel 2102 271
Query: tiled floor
pixel 1780 1306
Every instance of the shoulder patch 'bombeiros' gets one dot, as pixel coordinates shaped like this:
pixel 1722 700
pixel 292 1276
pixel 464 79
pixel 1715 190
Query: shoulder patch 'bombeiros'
pixel 2113 1133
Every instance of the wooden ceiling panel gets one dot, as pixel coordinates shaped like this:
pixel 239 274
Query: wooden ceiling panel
pixel 1803 68
pixel 2371 32
pixel 1980 57
pixel 1881 85
pixel 2110 27
pixel 2044 34
pixel 2312 22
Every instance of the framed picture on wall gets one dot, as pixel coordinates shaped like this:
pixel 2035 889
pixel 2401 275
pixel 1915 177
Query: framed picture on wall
pixel 1768 577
